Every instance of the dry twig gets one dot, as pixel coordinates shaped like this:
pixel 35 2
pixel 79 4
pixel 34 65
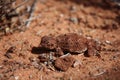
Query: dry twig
pixel 31 14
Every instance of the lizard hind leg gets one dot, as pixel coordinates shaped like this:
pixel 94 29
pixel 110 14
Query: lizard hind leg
pixel 91 52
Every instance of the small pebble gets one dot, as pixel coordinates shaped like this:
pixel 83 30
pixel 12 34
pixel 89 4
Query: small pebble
pixel 45 63
pixel 16 77
pixel 1 67
pixel 74 20
pixel 61 15
pixel 73 8
pixel 30 76
pixel 7 30
pixel 77 62
pixel 108 42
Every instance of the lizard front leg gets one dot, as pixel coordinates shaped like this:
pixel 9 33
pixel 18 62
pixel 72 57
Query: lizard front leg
pixel 59 52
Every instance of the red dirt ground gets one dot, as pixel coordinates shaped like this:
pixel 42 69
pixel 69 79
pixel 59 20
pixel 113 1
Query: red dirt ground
pixel 96 19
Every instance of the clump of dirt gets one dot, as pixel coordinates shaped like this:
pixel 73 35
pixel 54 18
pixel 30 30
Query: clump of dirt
pixel 64 63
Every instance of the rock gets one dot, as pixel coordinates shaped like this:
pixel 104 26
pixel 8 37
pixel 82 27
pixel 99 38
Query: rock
pixel 64 63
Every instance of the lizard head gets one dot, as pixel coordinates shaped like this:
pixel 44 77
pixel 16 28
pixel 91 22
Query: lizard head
pixel 48 42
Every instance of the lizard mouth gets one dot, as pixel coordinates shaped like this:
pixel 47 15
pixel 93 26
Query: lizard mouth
pixel 80 51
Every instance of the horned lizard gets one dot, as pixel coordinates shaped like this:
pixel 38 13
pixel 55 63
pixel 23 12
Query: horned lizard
pixel 70 43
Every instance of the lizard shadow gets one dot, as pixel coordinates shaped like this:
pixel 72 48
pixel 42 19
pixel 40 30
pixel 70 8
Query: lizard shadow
pixel 41 50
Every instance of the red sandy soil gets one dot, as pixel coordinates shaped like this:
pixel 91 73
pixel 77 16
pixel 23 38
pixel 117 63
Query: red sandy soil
pixel 91 18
